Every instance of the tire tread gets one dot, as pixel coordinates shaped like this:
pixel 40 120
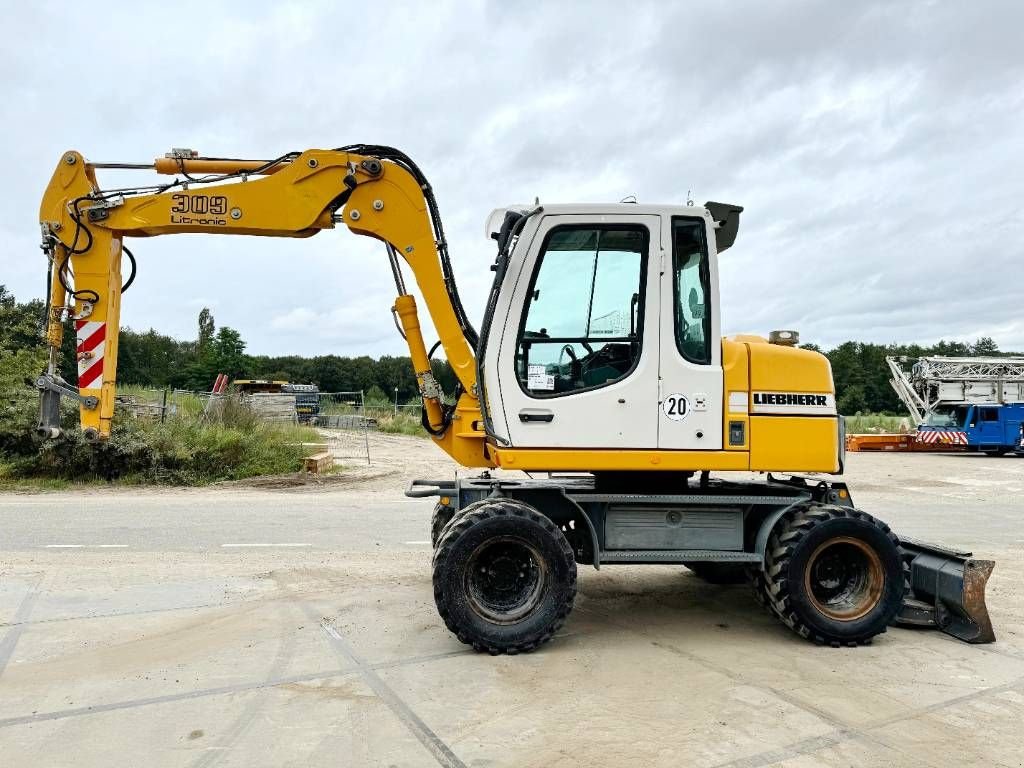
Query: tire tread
pixel 793 528
pixel 472 515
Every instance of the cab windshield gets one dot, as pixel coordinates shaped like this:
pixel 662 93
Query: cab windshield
pixel 946 417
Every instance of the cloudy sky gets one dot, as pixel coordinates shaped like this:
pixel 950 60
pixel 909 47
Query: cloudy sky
pixel 878 147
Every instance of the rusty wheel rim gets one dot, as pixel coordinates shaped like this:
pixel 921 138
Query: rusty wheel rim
pixel 844 578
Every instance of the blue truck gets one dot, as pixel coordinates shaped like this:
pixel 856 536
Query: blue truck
pixel 992 429
pixel 972 403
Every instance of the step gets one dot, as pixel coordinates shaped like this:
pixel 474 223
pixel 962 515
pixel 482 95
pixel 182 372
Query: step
pixel 613 557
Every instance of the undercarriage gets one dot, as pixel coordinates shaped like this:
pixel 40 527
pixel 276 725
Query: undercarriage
pixel 507 550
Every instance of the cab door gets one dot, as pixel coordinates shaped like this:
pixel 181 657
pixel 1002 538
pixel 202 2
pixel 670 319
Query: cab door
pixel 578 360
pixel 691 412
pixel 990 426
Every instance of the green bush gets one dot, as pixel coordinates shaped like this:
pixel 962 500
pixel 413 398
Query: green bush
pixel 407 422
pixel 231 443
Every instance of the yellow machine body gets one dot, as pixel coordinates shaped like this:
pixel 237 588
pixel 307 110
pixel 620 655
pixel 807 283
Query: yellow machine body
pixel 774 442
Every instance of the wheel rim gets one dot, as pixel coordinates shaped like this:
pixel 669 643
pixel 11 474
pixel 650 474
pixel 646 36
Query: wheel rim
pixel 844 578
pixel 505 579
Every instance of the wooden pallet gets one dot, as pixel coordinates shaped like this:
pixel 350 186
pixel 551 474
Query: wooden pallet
pixel 318 462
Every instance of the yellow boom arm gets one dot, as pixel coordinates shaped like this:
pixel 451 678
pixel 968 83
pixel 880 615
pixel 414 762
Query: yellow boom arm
pixel 297 195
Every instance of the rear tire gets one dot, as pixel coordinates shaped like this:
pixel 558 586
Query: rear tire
pixel 834 575
pixel 719 573
pixel 504 577
pixel 998 452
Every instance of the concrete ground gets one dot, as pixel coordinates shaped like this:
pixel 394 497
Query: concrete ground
pixel 248 626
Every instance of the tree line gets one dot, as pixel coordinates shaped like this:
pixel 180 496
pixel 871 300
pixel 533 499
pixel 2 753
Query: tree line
pixel 862 376
pixel 153 359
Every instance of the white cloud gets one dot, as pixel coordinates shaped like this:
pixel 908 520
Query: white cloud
pixel 876 147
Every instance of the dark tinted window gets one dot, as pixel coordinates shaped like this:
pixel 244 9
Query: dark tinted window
pixel 692 310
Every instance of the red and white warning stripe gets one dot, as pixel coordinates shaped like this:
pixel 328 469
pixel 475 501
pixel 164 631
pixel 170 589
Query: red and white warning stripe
pixel 91 341
pixel 942 437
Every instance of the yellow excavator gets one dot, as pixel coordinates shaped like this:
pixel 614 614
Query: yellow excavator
pixel 599 371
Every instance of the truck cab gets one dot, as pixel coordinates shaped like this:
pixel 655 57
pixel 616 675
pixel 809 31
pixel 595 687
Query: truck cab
pixel 989 428
pixel 994 429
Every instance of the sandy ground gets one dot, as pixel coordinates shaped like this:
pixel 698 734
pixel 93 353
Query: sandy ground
pixel 283 624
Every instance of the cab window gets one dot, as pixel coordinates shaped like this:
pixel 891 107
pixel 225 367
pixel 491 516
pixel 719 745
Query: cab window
pixel 690 287
pixel 582 324
pixel 945 417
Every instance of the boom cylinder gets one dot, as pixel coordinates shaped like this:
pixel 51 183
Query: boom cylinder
pixel 405 306
pixel 172 165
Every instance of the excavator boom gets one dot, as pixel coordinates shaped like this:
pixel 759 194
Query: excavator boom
pixel 382 195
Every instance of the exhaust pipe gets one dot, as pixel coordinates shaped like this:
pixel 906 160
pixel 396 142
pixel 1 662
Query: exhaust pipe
pixel 946 592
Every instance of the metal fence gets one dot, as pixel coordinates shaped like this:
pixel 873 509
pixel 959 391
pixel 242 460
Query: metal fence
pixel 159 404
pixel 346 417
pixel 344 411
pixel 337 410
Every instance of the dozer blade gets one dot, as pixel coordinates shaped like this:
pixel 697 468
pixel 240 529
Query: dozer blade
pixel 947 592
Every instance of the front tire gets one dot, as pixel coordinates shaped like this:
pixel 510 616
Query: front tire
pixel 834 575
pixel 504 577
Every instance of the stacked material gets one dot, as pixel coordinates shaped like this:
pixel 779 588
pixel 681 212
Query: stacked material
pixel 271 406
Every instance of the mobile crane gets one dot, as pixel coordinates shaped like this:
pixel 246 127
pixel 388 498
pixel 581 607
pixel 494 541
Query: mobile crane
pixel 975 402
pixel 599 362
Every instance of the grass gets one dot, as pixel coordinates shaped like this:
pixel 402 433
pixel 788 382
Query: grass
pixel 229 443
pixel 407 422
pixel 9 481
pixel 868 423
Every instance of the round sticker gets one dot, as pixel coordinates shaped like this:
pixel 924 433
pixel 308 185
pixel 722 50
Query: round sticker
pixel 676 407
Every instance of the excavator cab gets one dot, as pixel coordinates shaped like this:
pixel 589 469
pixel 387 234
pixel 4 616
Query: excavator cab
pixel 576 348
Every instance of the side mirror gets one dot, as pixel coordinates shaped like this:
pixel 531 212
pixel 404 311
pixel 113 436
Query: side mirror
pixel 727 223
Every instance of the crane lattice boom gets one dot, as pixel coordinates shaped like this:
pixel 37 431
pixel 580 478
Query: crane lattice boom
pixel 933 382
